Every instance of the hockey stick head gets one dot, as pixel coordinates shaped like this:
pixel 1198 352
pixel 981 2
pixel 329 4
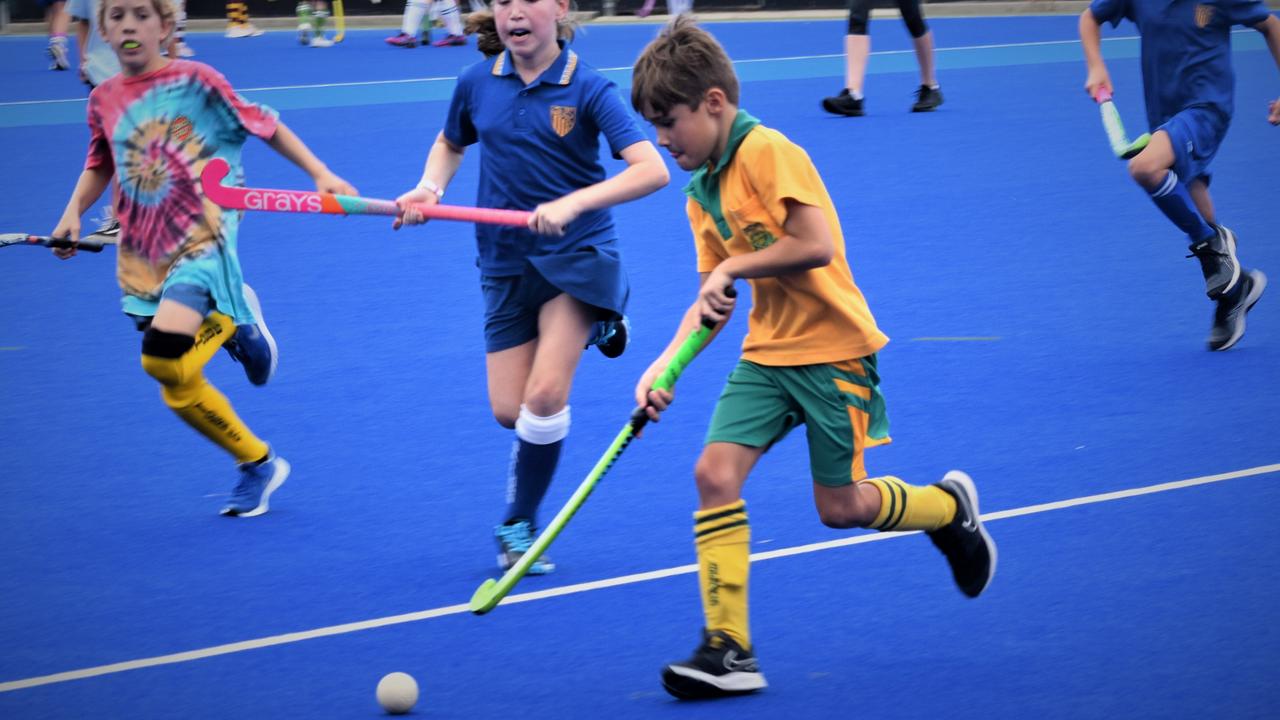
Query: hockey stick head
pixel 485 599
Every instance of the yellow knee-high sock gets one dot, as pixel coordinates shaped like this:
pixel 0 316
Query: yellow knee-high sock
pixel 723 538
pixel 911 507
pixel 237 13
pixel 186 391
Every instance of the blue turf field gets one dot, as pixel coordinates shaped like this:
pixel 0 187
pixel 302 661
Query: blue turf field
pixel 1047 337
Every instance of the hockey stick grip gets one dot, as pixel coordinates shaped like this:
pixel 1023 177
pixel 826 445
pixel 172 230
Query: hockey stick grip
pixel 301 201
pixel 88 243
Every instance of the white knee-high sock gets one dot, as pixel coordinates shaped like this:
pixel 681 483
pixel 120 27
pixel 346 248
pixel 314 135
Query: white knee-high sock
pixel 414 11
pixel 447 11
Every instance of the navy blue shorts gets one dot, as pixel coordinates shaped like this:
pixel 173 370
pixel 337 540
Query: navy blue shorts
pixel 591 275
pixel 1195 134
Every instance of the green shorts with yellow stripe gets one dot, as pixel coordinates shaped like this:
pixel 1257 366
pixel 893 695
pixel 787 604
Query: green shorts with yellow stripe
pixel 840 405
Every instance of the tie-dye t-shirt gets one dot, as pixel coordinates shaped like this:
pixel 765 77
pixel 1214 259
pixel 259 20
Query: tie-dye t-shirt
pixel 156 132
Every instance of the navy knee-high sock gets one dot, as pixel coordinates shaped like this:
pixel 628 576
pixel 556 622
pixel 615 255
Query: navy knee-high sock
pixel 534 458
pixel 1175 202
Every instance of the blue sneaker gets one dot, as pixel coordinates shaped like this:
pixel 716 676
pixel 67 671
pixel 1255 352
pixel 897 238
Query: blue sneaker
pixel 611 336
pixel 514 540
pixel 257 482
pixel 252 345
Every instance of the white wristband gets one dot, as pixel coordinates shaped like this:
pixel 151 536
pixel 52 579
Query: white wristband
pixel 428 185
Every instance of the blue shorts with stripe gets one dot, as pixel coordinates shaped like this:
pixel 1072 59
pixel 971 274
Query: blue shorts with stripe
pixel 1195 133
pixel 592 275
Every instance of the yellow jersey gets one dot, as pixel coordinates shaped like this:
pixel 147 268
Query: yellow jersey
pixel 737 207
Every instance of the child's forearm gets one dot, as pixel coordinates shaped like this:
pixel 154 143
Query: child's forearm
pixel 285 142
pixel 1270 29
pixel 442 163
pixel 645 173
pixel 634 182
pixel 1091 39
pixel 90 186
pixel 806 244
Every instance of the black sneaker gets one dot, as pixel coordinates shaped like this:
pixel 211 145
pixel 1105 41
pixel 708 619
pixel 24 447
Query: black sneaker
pixel 720 667
pixel 1228 318
pixel 969 549
pixel 1217 255
pixel 927 98
pixel 611 336
pixel 843 104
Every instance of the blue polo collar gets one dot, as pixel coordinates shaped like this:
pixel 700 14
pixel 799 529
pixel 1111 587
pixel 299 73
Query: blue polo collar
pixel 560 72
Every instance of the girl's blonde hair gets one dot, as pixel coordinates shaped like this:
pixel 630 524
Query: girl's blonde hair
pixel 163 8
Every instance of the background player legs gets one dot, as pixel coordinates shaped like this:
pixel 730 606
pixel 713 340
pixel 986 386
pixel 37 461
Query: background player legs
pixel 312 16
pixel 238 25
pixel 451 17
pixel 178 46
pixel 415 11
pixel 924 56
pixel 55 17
pixel 857 48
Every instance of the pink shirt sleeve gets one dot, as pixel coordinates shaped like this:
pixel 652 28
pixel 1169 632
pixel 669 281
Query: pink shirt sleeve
pixel 258 120
pixel 99 147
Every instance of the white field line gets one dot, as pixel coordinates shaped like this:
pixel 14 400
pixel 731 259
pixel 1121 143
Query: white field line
pixel 615 69
pixel 594 585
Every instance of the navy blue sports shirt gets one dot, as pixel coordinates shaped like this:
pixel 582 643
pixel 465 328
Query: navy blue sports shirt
pixel 538 142
pixel 1186 50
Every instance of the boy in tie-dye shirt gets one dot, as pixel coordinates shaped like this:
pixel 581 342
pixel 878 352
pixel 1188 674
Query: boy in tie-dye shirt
pixel 153 128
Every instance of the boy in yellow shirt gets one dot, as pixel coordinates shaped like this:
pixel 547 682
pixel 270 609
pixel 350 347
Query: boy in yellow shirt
pixel 760 212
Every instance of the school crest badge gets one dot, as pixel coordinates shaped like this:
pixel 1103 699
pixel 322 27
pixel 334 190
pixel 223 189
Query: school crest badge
pixel 759 236
pixel 1204 16
pixel 563 118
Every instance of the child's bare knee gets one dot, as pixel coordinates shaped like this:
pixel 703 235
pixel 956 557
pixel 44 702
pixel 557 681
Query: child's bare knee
pixel 1145 172
pixel 715 481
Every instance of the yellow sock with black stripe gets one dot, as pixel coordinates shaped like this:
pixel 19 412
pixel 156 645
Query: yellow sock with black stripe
pixel 911 507
pixel 186 391
pixel 723 537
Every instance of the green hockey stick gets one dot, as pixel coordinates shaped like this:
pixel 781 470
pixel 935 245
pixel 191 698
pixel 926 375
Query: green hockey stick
pixel 491 592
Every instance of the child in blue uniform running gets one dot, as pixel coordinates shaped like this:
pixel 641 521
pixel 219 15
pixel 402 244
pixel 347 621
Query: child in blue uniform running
pixel 152 129
pixel 1189 86
pixel 550 289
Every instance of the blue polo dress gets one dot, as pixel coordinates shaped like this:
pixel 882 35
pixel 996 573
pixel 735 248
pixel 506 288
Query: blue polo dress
pixel 540 142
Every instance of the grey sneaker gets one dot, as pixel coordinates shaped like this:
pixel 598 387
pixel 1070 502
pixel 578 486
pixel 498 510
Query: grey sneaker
pixel 1228 317
pixel 57 51
pixel 720 667
pixel 1218 262
pixel 968 548
pixel 843 104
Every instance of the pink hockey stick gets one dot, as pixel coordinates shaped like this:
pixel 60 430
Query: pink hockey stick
pixel 299 201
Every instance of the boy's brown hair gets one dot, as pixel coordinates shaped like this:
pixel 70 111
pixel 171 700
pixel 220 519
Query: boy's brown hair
pixel 679 67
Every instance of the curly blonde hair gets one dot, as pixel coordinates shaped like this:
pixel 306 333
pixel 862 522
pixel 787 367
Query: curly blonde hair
pixel 164 8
